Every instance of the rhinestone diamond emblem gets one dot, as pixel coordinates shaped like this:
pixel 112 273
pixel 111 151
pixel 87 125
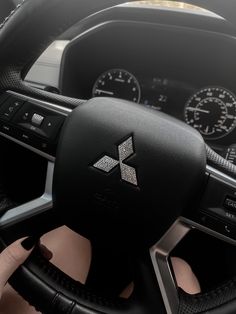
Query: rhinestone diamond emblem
pixel 107 164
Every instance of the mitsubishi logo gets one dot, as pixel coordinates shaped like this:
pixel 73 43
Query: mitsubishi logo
pixel 107 164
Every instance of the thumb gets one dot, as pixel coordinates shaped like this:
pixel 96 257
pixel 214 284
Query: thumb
pixel 13 256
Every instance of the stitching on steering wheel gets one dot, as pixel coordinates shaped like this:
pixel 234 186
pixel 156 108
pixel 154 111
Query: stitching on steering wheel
pixel 220 162
pixel 56 300
pixel 11 14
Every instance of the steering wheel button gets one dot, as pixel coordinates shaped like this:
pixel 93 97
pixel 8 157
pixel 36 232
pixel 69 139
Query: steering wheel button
pixel 225 228
pixel 51 125
pixel 25 116
pixel 37 119
pixel 7 129
pixel 217 195
pixel 10 107
pixel 25 137
pixel 223 214
pixel 230 203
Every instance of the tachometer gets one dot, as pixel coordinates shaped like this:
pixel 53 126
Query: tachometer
pixel 212 111
pixel 119 84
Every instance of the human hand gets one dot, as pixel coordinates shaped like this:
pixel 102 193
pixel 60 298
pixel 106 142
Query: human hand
pixel 15 255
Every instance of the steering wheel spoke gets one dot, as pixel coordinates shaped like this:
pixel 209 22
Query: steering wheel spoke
pixel 217 210
pixel 34 125
pixel 220 199
pixel 216 216
pixel 160 254
pixel 148 292
pixel 33 218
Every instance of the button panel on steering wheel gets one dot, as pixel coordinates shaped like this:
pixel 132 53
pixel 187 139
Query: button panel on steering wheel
pixel 218 206
pixel 30 122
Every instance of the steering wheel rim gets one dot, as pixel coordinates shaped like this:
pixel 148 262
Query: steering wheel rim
pixel 59 293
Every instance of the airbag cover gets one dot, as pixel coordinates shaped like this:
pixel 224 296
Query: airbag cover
pixel 124 173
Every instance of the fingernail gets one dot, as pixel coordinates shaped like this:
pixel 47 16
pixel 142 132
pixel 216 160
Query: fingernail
pixel 29 243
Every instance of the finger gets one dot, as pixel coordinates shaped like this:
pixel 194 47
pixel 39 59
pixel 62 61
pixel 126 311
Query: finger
pixel 185 277
pixel 46 252
pixel 13 256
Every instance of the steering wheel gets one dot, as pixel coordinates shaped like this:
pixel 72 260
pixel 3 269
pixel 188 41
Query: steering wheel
pixel 132 180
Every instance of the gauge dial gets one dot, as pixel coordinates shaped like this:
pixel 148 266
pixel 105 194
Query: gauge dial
pixel 119 84
pixel 212 111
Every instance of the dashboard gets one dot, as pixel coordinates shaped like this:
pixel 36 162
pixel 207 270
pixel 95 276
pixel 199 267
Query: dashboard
pixel 175 61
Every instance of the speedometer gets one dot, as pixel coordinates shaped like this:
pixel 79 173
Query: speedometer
pixel 119 84
pixel 212 111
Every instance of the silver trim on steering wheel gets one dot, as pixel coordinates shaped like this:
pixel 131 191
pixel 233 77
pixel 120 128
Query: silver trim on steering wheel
pixel 33 208
pixel 160 259
pixel 160 252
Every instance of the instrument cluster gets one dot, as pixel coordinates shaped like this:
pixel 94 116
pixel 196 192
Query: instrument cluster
pixel 210 110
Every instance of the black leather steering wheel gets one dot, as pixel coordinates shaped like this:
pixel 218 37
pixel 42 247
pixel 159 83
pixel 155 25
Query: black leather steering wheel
pixel 114 179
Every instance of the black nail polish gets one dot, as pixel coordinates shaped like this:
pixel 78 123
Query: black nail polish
pixel 29 243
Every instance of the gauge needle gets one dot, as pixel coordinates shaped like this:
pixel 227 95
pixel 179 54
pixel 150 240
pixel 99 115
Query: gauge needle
pixel 207 129
pixel 104 92
pixel 197 109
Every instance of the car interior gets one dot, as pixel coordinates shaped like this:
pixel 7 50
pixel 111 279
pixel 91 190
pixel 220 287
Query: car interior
pixel 118 120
